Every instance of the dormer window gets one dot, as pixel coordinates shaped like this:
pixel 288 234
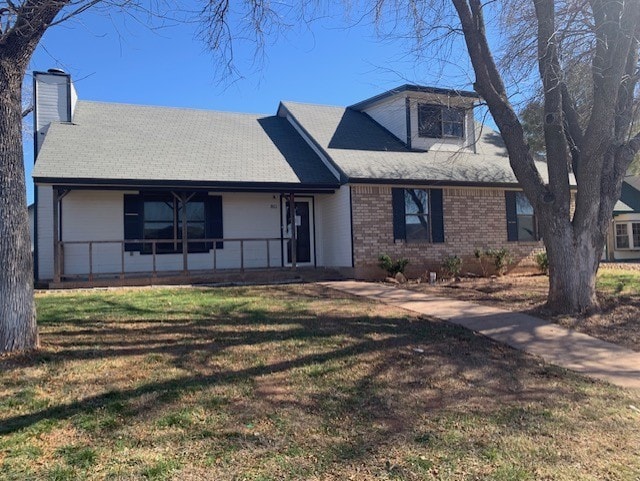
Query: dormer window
pixel 439 121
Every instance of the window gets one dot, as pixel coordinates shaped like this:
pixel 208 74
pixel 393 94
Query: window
pixel 417 215
pixel 521 220
pixel 437 121
pixel 622 236
pixel 526 219
pixel 416 209
pixel 160 217
pixel 627 235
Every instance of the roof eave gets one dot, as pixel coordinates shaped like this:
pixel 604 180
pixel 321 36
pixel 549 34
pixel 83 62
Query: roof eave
pixel 411 88
pixel 93 183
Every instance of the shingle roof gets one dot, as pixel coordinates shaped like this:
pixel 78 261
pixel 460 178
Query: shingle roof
pixel 364 150
pixel 119 142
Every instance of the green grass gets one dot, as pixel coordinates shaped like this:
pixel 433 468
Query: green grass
pixel 616 282
pixel 291 383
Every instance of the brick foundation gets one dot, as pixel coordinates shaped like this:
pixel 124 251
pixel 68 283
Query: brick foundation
pixel 473 218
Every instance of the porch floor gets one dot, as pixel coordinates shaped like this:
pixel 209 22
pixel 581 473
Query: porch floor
pixel 226 276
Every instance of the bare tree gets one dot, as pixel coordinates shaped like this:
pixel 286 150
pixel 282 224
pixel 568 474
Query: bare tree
pixel 592 141
pixel 600 152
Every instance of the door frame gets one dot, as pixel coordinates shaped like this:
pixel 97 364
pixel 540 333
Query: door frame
pixel 310 199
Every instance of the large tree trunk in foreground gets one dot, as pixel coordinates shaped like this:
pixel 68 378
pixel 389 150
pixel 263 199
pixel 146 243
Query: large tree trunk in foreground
pixel 18 329
pixel 573 264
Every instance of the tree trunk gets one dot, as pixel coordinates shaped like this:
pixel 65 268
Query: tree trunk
pixel 573 265
pixel 18 329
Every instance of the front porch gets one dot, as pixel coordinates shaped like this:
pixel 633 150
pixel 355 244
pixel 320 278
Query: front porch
pixel 246 260
pixel 119 238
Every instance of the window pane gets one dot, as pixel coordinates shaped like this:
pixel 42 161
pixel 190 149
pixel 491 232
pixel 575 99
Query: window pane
pixel 523 206
pixel 453 115
pixel 195 211
pixel 417 227
pixel 635 228
pixel 526 228
pixel 158 230
pixel 195 230
pixel 158 211
pixel 429 121
pixel 452 129
pixel 416 201
pixel 622 236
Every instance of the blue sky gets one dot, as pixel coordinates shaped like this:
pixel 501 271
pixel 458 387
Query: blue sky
pixel 333 60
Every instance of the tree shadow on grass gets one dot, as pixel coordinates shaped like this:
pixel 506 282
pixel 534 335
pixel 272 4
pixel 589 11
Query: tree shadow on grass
pixel 370 376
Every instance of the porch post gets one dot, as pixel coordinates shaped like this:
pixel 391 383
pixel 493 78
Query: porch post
pixel 292 220
pixel 56 246
pixel 185 240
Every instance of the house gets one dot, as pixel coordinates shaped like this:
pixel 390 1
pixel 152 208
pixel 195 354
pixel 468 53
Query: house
pixel 130 193
pixel 623 241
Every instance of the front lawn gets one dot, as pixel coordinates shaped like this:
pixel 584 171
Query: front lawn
pixel 294 382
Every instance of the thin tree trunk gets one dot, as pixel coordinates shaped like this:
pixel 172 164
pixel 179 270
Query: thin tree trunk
pixel 18 329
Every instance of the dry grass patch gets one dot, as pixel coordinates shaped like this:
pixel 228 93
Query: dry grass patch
pixel 293 382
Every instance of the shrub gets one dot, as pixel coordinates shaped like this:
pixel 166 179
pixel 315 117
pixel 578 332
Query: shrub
pixel 452 266
pixel 542 260
pixel 501 259
pixel 482 257
pixel 392 267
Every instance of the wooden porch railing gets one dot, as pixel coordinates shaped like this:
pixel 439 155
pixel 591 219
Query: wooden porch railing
pixel 59 264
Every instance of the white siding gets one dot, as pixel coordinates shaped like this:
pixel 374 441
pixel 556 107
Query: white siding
pixel 45 232
pixel 52 103
pixel 98 215
pixel 333 224
pixel 392 115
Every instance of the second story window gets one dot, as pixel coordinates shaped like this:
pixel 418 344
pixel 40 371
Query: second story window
pixel 438 121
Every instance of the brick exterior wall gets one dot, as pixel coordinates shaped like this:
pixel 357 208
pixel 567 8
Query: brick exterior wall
pixel 473 218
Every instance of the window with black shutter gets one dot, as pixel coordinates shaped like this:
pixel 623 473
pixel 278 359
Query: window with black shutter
pixel 160 217
pixel 418 215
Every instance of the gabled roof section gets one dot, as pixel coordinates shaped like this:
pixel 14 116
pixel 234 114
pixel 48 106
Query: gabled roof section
pixel 366 152
pixel 629 196
pixel 131 144
pixel 412 88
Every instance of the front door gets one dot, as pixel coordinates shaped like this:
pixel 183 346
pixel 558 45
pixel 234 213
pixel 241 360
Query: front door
pixel 304 230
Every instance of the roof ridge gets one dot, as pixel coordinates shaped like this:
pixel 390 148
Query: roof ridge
pixel 169 107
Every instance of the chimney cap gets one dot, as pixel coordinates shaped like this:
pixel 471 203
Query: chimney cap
pixel 57 71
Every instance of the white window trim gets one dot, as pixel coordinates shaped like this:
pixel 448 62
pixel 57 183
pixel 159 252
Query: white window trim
pixel 629 225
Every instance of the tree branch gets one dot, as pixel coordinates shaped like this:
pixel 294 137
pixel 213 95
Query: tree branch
pixel 553 124
pixel 491 88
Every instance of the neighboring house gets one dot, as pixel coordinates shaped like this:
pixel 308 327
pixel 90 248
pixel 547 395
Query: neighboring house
pixel 623 241
pixel 409 173
pixel 31 210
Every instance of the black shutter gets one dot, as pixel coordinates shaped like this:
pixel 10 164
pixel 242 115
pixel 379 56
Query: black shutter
pixel 399 225
pixel 437 216
pixel 512 215
pixel 213 215
pixel 133 222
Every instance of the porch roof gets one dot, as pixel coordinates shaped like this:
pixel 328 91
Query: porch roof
pixel 122 144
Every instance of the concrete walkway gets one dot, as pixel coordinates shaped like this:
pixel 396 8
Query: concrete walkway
pixel 556 345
